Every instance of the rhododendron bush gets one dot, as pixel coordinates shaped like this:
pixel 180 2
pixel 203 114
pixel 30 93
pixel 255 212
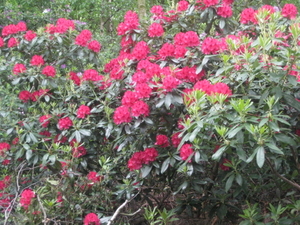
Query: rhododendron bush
pixel 198 104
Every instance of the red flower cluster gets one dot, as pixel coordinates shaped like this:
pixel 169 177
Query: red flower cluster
pixel 83 111
pixel 138 159
pixel 91 219
pixel 14 29
pixel 170 82
pixel 62 26
pixel 1 42
pixel 65 123
pixel 30 35
pixel 140 50
pixel 76 79
pixel 122 115
pixel 140 108
pixel 91 75
pixel 49 71
pixel 37 60
pixel 155 30
pixel 188 39
pixel 12 42
pixel 213 46
pixel 224 167
pixel 131 22
pixel 4 183
pixel 167 50
pixel 211 89
pixel 19 68
pixel 26 197
pixel 157 10
pixel 289 11
pixel 162 140
pixel 224 11
pixel 3 148
pixel 248 16
pixel 94 46
pixel 25 96
pixel 185 151
pixel 94 177
pixel 77 148
pixel 189 74
pixel 182 6
pixel 45 120
pixel 176 139
pixel 83 38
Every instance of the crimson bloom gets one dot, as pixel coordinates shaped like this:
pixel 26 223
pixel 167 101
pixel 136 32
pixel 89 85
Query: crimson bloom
pixel 37 60
pixel 26 197
pixel 49 71
pixel 83 111
pixel 185 151
pixel 65 123
pixel 91 219
pixel 19 68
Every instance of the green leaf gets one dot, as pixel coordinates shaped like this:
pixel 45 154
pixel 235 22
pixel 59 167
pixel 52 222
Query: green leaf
pixel 28 154
pixel 222 24
pixel 234 131
pixel 146 170
pixel 168 100
pixel 260 156
pixel 165 165
pixel 85 132
pixel 229 182
pixel 291 101
pixel 239 179
pixel 217 155
pixel 273 148
pixel 77 136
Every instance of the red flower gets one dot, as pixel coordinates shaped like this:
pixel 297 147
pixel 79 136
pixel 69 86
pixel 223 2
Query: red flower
pixel 37 60
pixel 15 141
pixel 224 11
pixel 65 123
pixel 45 120
pixel 122 115
pixel 129 98
pixel 63 25
pixel 209 3
pixel 289 11
pixel 30 35
pixel 83 38
pixel 182 6
pixel 135 162
pixel 176 139
pixel 94 46
pixel 76 79
pixel 155 30
pixel 224 167
pixel 167 50
pixel 1 42
pixel 26 198
pixel 59 197
pixel 248 16
pixel 94 177
pixel 140 108
pixel 21 26
pixel 143 90
pixel 169 83
pixel 92 75
pixel 162 140
pixel 12 42
pixel 157 10
pixel 78 150
pixel 149 155
pixel 188 39
pixel 6 162
pixel 140 50
pixel 185 151
pixel 83 111
pixel 131 22
pixel 19 68
pixel 25 96
pixel 49 71
pixel 91 219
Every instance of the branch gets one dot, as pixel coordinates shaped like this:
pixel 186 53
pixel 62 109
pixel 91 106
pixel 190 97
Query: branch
pixel 44 212
pixel 295 185
pixel 117 212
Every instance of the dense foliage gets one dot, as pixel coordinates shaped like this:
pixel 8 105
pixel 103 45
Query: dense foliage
pixel 197 115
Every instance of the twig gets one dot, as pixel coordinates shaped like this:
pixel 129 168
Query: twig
pixel 295 185
pixel 42 207
pixel 117 212
pixel 119 209
pixel 9 208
